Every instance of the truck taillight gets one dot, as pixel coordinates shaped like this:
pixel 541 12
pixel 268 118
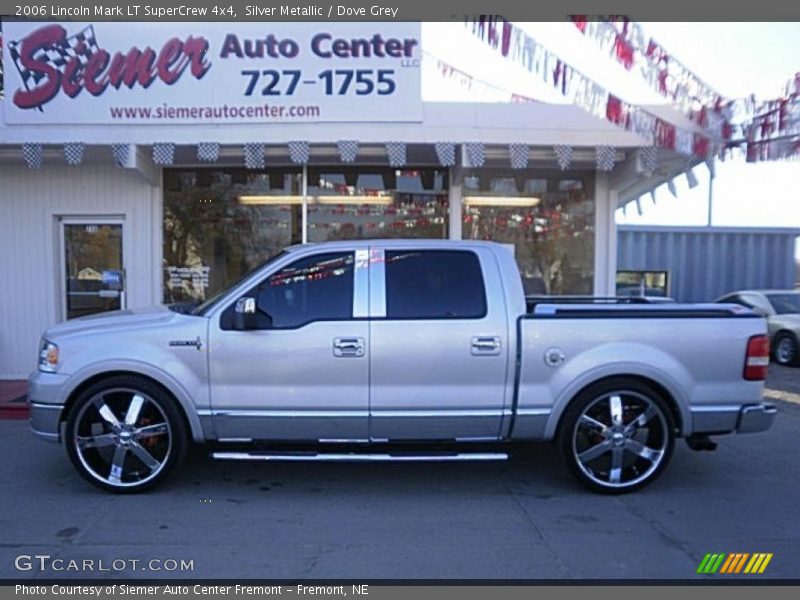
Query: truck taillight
pixel 757 358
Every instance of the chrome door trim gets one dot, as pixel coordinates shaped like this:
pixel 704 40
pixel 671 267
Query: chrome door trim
pixel 359 457
pixel 377 283
pixel 256 413
pixel 455 412
pixel 361 284
pixel 533 412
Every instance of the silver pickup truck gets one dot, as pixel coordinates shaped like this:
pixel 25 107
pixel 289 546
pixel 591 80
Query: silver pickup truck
pixel 397 350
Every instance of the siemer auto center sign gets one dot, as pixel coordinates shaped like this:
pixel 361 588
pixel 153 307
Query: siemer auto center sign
pixel 156 73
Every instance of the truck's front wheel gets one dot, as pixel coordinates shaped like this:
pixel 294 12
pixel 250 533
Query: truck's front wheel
pixel 124 434
pixel 617 436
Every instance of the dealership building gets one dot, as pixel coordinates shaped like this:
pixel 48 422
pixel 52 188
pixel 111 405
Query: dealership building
pixel 123 186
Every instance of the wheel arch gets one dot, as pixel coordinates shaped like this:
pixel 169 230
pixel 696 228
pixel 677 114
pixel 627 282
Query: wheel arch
pixel 191 421
pixel 658 387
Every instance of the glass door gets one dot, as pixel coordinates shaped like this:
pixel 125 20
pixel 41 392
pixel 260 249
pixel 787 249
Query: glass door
pixel 93 274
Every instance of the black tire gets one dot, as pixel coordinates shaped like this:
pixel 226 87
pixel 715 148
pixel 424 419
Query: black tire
pixel 785 349
pixel 121 456
pixel 623 456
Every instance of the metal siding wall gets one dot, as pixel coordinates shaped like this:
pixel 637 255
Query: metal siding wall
pixel 29 261
pixel 704 265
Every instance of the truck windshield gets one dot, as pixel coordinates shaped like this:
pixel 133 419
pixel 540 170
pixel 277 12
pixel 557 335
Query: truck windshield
pixel 202 309
pixel 785 304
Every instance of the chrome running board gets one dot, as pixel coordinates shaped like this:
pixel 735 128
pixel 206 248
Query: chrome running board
pixel 359 456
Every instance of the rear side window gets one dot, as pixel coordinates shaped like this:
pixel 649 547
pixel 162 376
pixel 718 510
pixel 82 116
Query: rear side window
pixel 434 284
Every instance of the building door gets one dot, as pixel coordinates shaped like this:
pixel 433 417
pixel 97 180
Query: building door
pixel 92 271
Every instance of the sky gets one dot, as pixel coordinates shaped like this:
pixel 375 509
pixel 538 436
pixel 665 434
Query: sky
pixel 736 59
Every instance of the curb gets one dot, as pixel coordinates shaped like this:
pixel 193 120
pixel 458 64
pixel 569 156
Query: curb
pixel 15 410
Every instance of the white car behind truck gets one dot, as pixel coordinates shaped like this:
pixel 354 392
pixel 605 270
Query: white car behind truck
pixel 397 350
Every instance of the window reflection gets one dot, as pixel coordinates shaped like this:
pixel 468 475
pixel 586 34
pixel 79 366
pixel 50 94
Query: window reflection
pixel 219 224
pixel 376 202
pixel 548 218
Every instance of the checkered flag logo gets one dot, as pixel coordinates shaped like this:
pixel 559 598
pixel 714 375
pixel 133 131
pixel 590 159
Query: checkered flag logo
pixel 254 156
pixel 563 156
pixel 299 152
pixel 648 159
pixel 32 155
pixel 79 46
pixel 476 154
pixel 163 153
pixel 606 157
pixel 121 153
pixel 446 153
pixel 73 153
pixel 348 150
pixel 396 151
pixel 208 152
pixel 519 154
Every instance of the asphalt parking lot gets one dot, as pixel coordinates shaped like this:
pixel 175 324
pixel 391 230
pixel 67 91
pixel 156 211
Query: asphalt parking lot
pixel 523 519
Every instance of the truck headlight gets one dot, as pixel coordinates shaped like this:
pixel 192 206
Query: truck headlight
pixel 48 356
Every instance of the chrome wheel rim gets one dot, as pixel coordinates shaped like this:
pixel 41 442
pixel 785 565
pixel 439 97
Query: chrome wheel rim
pixel 620 439
pixel 122 437
pixel 786 350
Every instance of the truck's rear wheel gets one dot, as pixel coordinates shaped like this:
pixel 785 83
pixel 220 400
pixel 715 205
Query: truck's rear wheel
pixel 617 436
pixel 124 434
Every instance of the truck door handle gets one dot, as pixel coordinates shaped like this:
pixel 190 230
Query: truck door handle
pixel 486 345
pixel 348 347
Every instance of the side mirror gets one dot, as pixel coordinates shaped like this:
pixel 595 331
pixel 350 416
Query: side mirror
pixel 244 316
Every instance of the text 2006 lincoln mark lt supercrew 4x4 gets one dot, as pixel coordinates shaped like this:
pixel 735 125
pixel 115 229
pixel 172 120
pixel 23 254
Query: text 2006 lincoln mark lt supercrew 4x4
pixel 397 350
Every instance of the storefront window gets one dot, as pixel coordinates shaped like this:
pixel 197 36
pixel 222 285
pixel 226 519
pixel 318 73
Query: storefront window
pixel 548 218
pixel 376 202
pixel 221 223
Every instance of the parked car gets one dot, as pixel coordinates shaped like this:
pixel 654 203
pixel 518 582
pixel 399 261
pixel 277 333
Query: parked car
pixel 397 350
pixel 782 311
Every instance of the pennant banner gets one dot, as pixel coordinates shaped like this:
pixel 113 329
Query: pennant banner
pixel 446 153
pixel 299 152
pixel 32 155
pixel 164 153
pixel 73 153
pixel 396 152
pixel 121 153
pixel 348 150
pixel 476 154
pixel 254 156
pixel 208 152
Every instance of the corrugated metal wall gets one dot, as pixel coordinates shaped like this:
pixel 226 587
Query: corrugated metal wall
pixel 705 263
pixel 30 204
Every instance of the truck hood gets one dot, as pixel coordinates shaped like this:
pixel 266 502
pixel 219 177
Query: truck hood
pixel 117 319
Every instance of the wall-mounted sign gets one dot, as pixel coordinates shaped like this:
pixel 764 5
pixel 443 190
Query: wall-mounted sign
pixel 196 276
pixel 157 73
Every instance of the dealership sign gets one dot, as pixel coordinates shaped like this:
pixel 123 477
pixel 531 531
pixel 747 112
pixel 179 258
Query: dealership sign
pixel 156 73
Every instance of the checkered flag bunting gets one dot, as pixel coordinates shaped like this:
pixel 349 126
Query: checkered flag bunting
pixel 476 154
pixel 299 152
pixel 396 151
pixel 606 156
pixel 73 153
pixel 563 156
pixel 121 153
pixel 254 156
pixel 519 154
pixel 79 46
pixel 446 153
pixel 208 152
pixel 32 155
pixel 164 153
pixel 648 159
pixel 348 150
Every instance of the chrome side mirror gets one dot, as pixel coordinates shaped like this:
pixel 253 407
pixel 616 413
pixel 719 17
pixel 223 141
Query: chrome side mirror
pixel 244 316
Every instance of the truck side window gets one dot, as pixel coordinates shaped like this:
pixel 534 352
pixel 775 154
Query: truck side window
pixel 314 288
pixel 434 284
